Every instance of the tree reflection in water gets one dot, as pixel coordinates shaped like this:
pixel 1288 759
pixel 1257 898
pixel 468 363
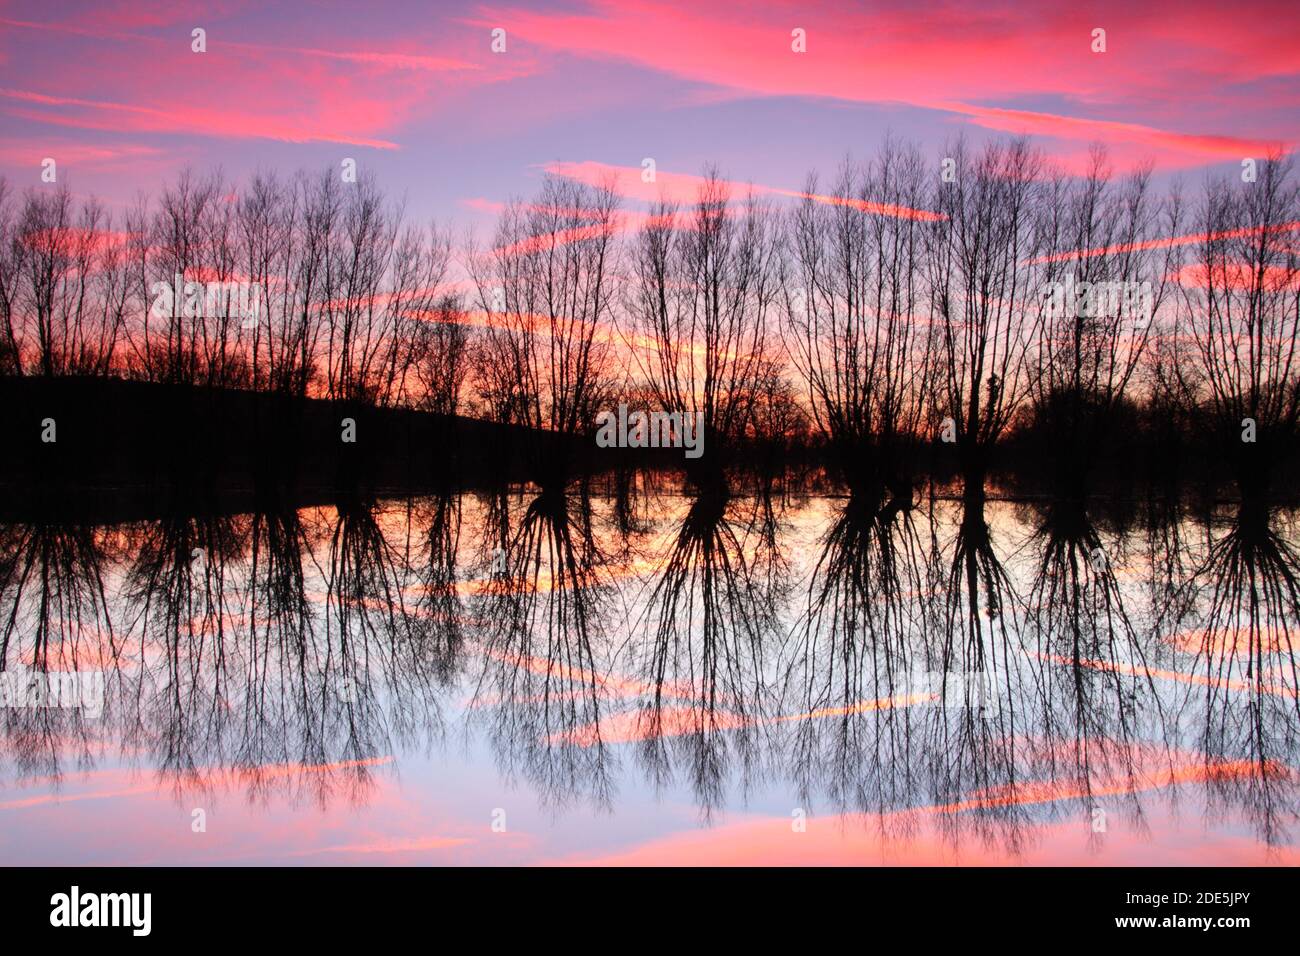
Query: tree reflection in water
pixel 965 665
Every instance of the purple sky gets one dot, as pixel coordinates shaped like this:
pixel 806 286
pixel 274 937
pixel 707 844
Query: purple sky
pixel 414 92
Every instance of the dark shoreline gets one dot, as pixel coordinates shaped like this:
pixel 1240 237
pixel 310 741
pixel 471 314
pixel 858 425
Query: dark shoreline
pixel 128 449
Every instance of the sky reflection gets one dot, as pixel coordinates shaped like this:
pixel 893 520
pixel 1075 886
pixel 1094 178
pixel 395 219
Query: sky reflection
pixel 518 678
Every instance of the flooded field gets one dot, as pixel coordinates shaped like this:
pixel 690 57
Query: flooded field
pixel 523 678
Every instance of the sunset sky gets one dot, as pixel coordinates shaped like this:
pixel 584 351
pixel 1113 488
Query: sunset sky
pixel 413 91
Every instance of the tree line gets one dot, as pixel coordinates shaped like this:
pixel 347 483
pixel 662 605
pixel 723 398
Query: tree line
pixel 899 301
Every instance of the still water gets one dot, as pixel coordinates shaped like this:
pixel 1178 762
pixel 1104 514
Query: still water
pixel 507 678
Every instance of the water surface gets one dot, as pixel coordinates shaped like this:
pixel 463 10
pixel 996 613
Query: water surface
pixel 521 678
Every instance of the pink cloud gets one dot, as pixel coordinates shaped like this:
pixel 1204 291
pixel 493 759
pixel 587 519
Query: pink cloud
pixel 960 59
pixel 1237 276
pixel 297 93
pixel 684 188
pixel 1189 239
pixel 30 153
pixel 856 838
pixel 88 114
pixel 383 59
pixel 386 846
pixel 1070 127
pixel 46 799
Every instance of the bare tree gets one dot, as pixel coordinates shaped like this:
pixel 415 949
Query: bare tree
pixel 546 289
pixel 13 253
pixel 267 247
pixel 704 289
pixel 442 345
pixel 65 285
pixel 852 301
pixel 1240 309
pixel 1102 285
pixel 979 285
pixel 174 343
